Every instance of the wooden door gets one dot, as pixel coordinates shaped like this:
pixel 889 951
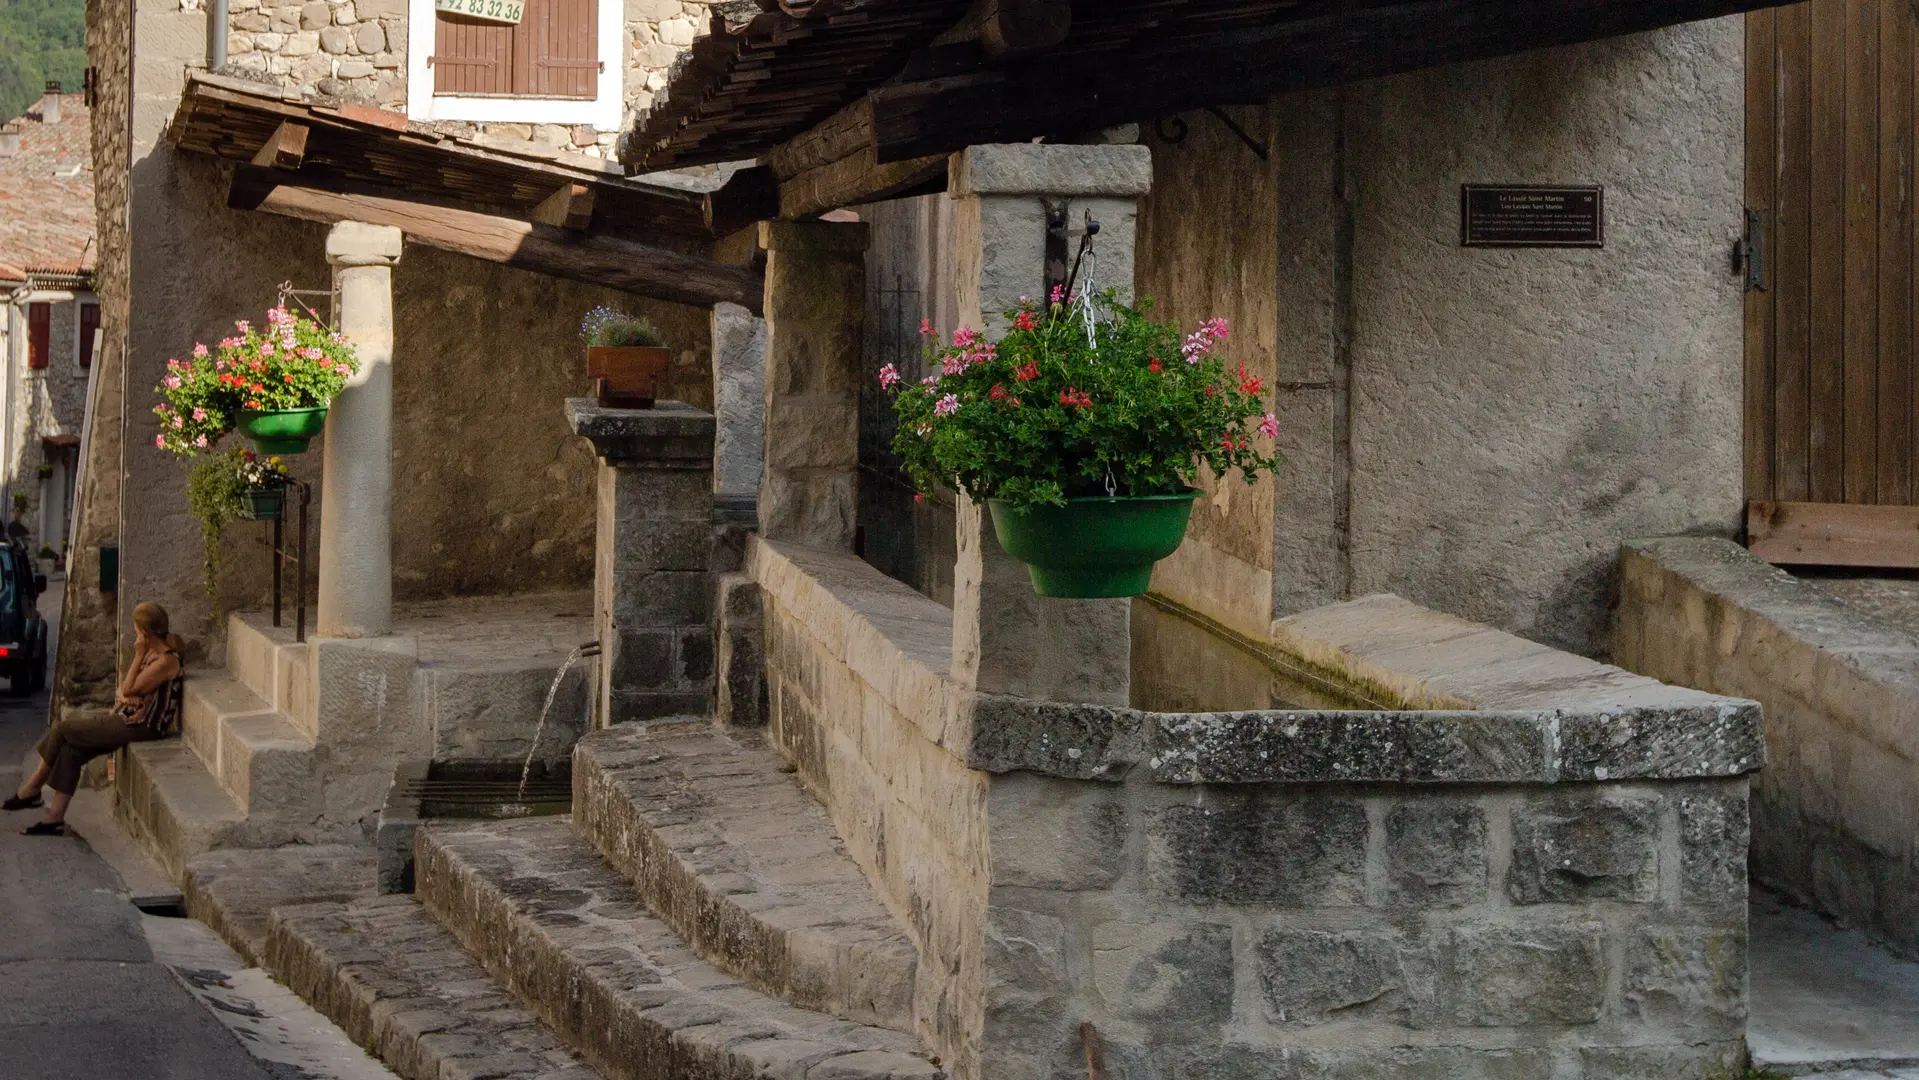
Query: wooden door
pixel 1830 312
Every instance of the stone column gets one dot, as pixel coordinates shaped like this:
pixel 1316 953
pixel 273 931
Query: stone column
pixel 356 501
pixel 1006 638
pixel 652 580
pixel 739 400
pixel 815 307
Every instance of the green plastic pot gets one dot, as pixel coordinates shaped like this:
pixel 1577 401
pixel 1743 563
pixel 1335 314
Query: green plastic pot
pixel 1093 547
pixel 262 503
pixel 285 431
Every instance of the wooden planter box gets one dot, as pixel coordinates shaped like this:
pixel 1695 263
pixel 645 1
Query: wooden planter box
pixel 626 377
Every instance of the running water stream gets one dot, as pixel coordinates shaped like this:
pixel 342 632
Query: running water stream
pixel 591 648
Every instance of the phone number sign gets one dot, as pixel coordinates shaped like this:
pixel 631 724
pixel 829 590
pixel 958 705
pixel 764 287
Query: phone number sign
pixel 500 11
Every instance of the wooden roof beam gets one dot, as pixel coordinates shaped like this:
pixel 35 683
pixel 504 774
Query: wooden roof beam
pixel 597 260
pixel 837 164
pixel 286 148
pixel 571 208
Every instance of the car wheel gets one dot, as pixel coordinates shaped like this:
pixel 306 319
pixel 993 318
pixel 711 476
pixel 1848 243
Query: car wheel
pixel 20 678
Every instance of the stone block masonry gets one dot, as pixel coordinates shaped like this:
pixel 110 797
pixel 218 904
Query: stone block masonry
pixel 653 585
pixel 1548 887
pixel 1833 822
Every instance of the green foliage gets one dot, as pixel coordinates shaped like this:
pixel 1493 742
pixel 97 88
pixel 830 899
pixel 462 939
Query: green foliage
pixel 214 486
pixel 1043 415
pixel 39 40
pixel 605 326
pixel 295 363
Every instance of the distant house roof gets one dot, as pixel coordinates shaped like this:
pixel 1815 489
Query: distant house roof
pixel 46 196
pixel 903 79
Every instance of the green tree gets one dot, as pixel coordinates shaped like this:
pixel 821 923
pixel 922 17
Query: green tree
pixel 39 40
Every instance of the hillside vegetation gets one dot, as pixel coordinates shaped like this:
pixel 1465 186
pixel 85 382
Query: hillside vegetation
pixel 39 40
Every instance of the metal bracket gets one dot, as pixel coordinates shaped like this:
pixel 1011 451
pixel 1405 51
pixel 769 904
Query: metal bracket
pixel 1258 149
pixel 1056 247
pixel 1749 252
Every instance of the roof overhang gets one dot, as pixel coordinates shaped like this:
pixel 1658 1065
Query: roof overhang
pixel 860 99
pixel 565 215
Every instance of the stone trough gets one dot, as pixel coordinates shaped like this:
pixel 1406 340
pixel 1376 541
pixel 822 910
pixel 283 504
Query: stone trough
pixel 1511 862
pixel 426 791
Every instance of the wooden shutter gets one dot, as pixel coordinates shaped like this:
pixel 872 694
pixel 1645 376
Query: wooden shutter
pixel 89 323
pixel 554 52
pixel 39 334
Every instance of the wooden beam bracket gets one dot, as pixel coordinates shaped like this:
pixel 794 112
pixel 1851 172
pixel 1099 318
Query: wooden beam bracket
pixel 285 149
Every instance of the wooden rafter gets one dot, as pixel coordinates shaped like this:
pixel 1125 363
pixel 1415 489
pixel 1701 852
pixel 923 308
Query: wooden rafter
pixel 598 260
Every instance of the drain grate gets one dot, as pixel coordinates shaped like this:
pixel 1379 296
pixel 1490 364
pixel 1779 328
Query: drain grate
pixel 488 797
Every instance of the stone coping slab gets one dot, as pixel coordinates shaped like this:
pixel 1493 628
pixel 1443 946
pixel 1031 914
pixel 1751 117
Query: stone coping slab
pixel 668 434
pixel 726 846
pixel 546 916
pixel 1093 742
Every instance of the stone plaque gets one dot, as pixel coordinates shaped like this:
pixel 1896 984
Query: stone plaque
pixel 1532 215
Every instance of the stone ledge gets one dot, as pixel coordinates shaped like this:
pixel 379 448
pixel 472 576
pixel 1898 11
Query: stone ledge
pixel 1092 742
pixel 671 434
pixel 235 891
pixel 546 916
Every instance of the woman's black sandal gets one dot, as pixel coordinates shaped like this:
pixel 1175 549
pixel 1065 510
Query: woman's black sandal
pixel 45 828
pixel 15 802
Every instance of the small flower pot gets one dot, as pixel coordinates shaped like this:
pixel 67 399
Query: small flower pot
pixel 1093 547
pixel 285 431
pixel 626 376
pixel 262 503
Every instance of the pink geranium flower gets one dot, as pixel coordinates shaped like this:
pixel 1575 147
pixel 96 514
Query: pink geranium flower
pixel 889 377
pixel 1269 426
pixel 947 406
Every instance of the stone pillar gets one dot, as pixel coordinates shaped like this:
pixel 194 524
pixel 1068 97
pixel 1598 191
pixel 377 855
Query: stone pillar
pixel 652 580
pixel 356 501
pixel 739 400
pixel 815 306
pixel 1006 638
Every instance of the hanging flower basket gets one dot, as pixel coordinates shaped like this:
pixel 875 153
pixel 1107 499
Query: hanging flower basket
pixel 1084 430
pixel 282 431
pixel 262 503
pixel 1093 547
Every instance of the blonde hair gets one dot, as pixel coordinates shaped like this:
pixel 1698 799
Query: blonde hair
pixel 152 618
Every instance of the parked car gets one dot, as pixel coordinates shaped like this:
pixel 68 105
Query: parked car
pixel 23 633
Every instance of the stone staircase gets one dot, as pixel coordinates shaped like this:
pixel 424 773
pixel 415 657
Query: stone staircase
pixel 695 917
pixel 245 771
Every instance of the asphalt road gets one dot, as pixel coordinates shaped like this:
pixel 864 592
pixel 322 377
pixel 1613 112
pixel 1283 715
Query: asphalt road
pixel 81 997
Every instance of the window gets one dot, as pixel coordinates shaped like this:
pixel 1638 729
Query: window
pixel 89 323
pixel 39 333
pixel 560 64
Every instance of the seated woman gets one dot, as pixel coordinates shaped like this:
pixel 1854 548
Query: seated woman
pixel 144 708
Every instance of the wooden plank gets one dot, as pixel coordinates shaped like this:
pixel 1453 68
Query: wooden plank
pixel 1792 265
pixel 286 148
pixel 750 195
pixel 1825 360
pixel 858 179
pixel 599 260
pixel 569 207
pixel 1894 398
pixel 1762 173
pixel 1016 28
pixel 1860 337
pixel 1833 534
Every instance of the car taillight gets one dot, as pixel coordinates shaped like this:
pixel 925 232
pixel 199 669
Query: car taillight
pixel 5 652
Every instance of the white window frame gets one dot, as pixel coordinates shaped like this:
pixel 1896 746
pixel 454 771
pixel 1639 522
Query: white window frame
pixel 603 112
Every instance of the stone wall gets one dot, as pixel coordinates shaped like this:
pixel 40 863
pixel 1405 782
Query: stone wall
pixel 85 673
pixel 357 50
pixel 860 703
pixel 1833 821
pixel 1506 415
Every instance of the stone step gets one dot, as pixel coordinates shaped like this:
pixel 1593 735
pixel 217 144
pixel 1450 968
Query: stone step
pixel 267 661
pixel 738 858
pixel 400 986
pixel 568 935
pixel 167 798
pixel 266 763
pixel 234 891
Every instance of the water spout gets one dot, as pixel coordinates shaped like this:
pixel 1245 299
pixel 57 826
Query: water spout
pixel 581 652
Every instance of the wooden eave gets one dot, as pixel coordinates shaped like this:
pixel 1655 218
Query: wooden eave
pixel 922 87
pixel 566 215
